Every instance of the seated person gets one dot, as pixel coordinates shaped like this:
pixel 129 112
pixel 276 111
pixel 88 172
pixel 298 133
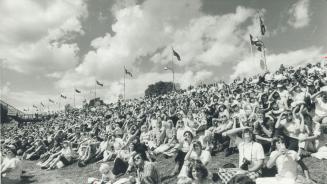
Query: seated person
pixel 199 174
pixel 182 149
pixel 146 171
pixel 320 99
pixel 11 166
pixel 251 154
pixel 56 147
pixel 286 162
pixel 290 125
pixel 195 153
pixel 36 151
pixel 63 158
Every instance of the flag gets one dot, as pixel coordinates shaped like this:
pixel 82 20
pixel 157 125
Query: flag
pixel 128 72
pixel 51 100
pixel 99 83
pixel 262 27
pixel 258 43
pixel 42 104
pixel 176 55
pixel 62 96
pixel 325 57
pixel 34 106
pixel 77 91
pixel 262 64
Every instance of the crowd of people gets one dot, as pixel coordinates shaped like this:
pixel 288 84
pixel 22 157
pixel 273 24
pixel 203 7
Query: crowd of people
pixel 272 120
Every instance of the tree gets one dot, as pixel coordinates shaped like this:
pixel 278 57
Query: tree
pixel 4 113
pixel 159 88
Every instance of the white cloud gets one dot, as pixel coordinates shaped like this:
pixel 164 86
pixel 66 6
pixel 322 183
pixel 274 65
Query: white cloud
pixel 209 40
pixel 250 65
pixel 149 30
pixel 33 34
pixel 139 31
pixel 40 57
pixel 299 14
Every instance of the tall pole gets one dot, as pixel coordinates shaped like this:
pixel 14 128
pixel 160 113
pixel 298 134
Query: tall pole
pixel 253 60
pixel 172 69
pixel 264 57
pixel 95 91
pixel 124 81
pixel 74 98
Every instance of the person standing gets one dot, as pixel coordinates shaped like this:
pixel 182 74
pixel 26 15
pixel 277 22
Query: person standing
pixel 147 173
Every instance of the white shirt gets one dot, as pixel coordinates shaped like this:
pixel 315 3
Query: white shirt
pixel 251 151
pixel 286 164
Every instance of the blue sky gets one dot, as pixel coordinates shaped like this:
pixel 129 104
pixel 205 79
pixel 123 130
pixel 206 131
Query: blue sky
pixel 50 47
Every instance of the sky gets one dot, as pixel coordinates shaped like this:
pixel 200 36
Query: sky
pixel 51 47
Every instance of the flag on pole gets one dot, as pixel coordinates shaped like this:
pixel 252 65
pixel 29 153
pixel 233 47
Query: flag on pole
pixel 128 72
pixel 51 100
pixel 99 83
pixel 77 91
pixel 62 96
pixel 262 27
pixel 258 43
pixel 34 106
pixel 42 104
pixel 176 55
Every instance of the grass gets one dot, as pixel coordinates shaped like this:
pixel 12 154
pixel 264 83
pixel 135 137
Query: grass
pixel 74 175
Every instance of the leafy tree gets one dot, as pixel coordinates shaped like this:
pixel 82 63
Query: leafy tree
pixel 159 88
pixel 4 113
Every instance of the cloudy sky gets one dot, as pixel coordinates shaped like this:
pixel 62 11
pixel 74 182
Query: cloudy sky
pixel 50 47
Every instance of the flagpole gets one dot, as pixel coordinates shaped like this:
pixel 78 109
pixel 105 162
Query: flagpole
pixel 124 81
pixel 74 97
pixel 95 90
pixel 173 69
pixel 264 56
pixel 253 60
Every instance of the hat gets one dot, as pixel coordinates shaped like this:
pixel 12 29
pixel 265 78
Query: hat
pixel 279 85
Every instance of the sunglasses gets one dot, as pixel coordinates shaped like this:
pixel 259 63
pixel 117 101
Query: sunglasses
pixel 137 158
